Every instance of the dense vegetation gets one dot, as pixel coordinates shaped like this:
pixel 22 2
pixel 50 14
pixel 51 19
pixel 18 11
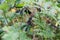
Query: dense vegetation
pixel 29 19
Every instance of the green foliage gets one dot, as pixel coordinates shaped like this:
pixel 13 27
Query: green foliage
pixel 4 6
pixel 46 23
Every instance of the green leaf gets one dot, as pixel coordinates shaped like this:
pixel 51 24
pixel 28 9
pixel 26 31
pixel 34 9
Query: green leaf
pixel 23 36
pixel 4 6
pixel 20 5
pixel 11 36
pixel 58 5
